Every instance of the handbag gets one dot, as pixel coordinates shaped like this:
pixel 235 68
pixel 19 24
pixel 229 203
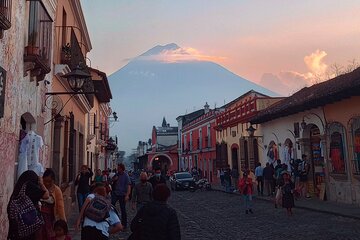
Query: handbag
pixel 278 196
pixel 24 214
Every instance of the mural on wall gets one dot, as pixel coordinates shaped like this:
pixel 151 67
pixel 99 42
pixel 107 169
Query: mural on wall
pixel 337 153
pixel 273 153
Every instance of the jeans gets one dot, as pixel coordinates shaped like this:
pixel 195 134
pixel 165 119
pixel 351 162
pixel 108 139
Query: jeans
pixel 81 199
pixel 227 186
pixel 121 199
pixel 139 206
pixel 247 201
pixel 260 186
pixel 89 232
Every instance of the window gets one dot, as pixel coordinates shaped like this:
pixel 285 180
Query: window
pixel 355 131
pixel 38 49
pixel 200 139
pixel 337 148
pixel 191 142
pixel 5 16
pixel 208 136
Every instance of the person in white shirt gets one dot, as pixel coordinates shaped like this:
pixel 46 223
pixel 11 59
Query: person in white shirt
pixel 259 174
pixel 98 230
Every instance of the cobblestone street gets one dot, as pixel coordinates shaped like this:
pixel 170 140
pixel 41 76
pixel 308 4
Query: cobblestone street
pixel 217 215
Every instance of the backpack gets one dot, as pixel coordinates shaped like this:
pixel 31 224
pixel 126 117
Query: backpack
pixel 98 209
pixel 23 213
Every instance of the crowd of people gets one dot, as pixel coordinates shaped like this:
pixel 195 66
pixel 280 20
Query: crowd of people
pixel 36 208
pixel 284 183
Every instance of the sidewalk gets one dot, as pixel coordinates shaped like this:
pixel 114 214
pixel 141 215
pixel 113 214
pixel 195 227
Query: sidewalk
pixel 312 204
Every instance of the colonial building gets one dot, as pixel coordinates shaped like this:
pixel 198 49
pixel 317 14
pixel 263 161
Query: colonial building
pixel 26 38
pixel 236 145
pixel 323 122
pixel 197 141
pixel 163 152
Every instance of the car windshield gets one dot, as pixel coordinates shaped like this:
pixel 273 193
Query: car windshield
pixel 183 175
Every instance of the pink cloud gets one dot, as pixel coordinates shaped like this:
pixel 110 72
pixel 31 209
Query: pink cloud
pixel 288 82
pixel 183 54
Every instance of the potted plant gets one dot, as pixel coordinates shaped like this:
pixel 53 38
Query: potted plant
pixel 66 49
pixel 31 48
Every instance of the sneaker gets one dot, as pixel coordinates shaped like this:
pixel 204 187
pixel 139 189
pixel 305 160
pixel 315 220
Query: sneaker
pixel 251 211
pixel 246 212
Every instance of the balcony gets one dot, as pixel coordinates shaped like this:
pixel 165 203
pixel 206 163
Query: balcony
pixel 5 16
pixel 37 55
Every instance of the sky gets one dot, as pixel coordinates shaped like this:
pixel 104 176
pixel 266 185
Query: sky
pixel 283 45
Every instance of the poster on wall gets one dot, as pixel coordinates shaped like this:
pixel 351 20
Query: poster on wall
pixel 2 90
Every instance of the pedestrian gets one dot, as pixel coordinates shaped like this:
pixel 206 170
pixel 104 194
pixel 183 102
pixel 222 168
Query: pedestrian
pixel 53 207
pixel 28 191
pixel 227 179
pixel 132 181
pixel 156 220
pixel 222 177
pixel 142 193
pixel 98 176
pixel 82 181
pixel 93 229
pixel 157 178
pixel 61 230
pixel 268 174
pixel 259 174
pixel 121 191
pixel 287 193
pixel 246 189
pixel 235 177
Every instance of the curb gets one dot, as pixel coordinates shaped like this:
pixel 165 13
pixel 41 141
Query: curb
pixel 299 207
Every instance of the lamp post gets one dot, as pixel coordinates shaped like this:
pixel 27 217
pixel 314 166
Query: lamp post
pixel 251 130
pixel 75 79
pixel 303 124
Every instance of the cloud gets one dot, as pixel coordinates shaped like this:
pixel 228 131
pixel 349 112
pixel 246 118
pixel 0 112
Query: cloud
pixel 182 55
pixel 288 82
pixel 314 62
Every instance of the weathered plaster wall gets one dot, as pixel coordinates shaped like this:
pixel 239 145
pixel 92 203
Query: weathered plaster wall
pixel 21 96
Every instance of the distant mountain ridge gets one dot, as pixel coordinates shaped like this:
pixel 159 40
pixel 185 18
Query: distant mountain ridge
pixel 145 90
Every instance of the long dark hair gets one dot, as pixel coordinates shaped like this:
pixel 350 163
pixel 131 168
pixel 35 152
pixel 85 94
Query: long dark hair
pixel 27 176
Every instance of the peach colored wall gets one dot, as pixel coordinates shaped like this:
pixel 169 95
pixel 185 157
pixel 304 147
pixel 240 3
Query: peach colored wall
pixel 347 189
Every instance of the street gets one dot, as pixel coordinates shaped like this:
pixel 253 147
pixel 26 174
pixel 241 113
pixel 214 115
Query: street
pixel 218 215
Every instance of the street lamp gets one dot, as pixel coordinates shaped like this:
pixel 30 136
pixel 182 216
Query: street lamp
pixel 76 79
pixel 251 130
pixel 115 116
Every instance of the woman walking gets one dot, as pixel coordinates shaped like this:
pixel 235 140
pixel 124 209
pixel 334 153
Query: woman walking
pixel 29 186
pixel 82 181
pixel 287 194
pixel 53 207
pixel 246 188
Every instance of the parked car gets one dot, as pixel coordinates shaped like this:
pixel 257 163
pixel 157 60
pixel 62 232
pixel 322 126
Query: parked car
pixel 181 180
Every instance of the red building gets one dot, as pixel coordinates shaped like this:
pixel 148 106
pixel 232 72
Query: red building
pixel 163 152
pixel 197 141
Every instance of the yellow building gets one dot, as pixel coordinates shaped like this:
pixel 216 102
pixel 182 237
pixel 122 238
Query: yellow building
pixel 236 146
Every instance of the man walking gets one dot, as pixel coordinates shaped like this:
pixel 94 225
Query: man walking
pixel 121 191
pixel 235 177
pixel 142 192
pixel 268 175
pixel 259 174
pixel 157 178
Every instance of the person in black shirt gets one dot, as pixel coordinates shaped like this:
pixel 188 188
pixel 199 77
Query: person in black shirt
pixel 82 181
pixel 35 190
pixel 156 220
pixel 157 178
pixel 268 174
